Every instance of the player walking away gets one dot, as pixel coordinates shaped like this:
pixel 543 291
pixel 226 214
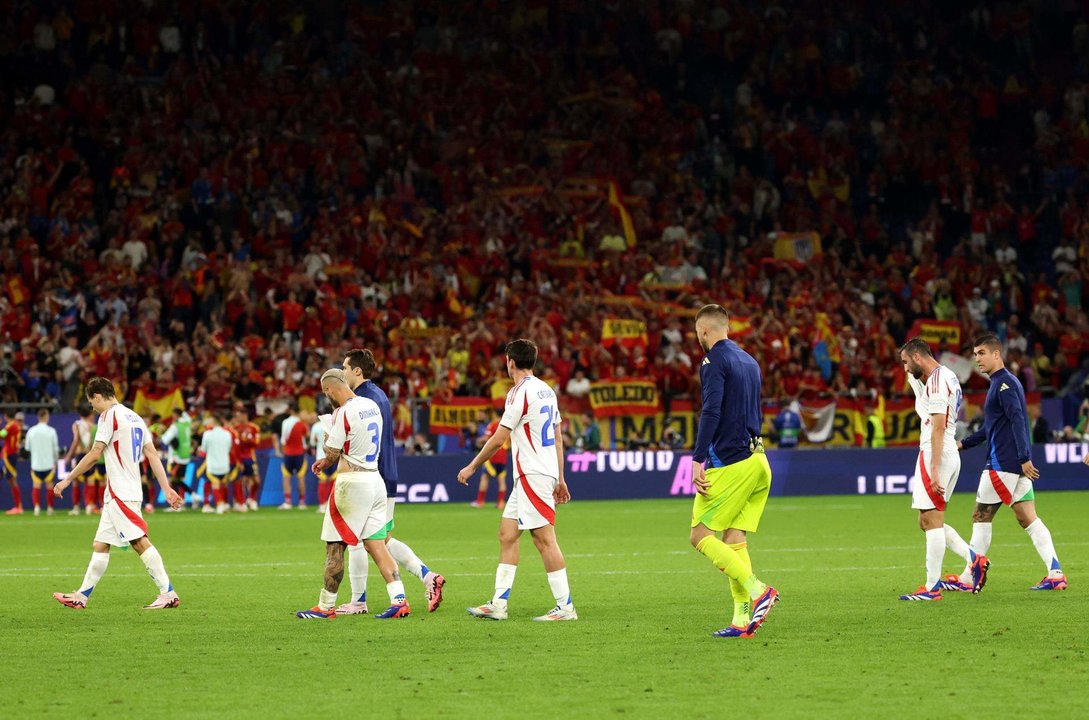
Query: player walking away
pixel 11 436
pixel 937 400
pixel 216 444
pixel 531 421
pixel 359 369
pixel 293 444
pixel 178 439
pixel 124 440
pixel 496 467
pixel 82 439
pixel 44 449
pixel 1008 475
pixel 730 470
pixel 356 512
pixel 325 481
pixel 247 434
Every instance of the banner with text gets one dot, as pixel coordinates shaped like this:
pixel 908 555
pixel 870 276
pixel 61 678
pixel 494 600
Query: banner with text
pixel 631 397
pixel 449 417
pixel 937 333
pixel 628 333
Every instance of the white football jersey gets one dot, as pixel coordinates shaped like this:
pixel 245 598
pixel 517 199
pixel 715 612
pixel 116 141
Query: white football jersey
pixel 125 435
pixel 533 416
pixel 940 393
pixel 357 430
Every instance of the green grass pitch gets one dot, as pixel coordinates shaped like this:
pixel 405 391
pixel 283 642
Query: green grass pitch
pixel 839 645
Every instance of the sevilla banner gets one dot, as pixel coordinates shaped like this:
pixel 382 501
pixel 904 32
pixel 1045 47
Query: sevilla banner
pixel 937 333
pixel 449 417
pixel 632 397
pixel 157 402
pixel 628 333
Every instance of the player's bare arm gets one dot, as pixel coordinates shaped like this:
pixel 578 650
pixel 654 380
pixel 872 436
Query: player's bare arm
pixel 76 443
pixel 155 461
pixel 937 445
pixel 496 441
pixel 561 493
pixel 85 464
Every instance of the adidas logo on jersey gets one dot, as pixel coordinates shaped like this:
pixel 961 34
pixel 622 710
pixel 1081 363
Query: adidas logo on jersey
pixel 1004 387
pixel 706 361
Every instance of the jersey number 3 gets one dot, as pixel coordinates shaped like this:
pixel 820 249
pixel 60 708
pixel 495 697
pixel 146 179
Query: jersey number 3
pixel 548 433
pixel 373 430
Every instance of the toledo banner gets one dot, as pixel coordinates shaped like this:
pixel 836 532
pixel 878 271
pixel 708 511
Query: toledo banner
pixel 629 333
pixel 630 397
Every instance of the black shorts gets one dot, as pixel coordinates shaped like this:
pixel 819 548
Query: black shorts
pixel 293 464
pixel 45 476
pixel 247 468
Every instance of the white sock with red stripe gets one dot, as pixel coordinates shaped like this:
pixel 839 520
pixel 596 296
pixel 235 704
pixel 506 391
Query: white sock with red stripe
pixel 153 561
pixel 1041 538
pixel 504 581
pixel 359 565
pixel 406 558
pixel 981 543
pixel 95 570
pixel 954 542
pixel 557 580
pixel 935 553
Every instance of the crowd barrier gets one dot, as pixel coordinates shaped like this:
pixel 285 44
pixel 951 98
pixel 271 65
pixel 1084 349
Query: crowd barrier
pixel 617 475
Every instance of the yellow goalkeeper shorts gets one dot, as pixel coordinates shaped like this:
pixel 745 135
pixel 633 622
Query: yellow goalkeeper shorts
pixel 737 495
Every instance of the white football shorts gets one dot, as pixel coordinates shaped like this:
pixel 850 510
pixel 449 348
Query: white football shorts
pixel 996 486
pixel 531 502
pixel 120 522
pixel 923 494
pixel 356 510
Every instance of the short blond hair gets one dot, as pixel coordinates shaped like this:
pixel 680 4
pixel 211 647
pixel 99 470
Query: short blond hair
pixel 333 375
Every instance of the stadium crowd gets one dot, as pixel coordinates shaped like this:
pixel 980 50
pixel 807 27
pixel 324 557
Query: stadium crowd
pixel 227 195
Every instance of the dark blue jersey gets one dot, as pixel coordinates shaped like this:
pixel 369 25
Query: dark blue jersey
pixel 1005 425
pixel 731 417
pixel 387 451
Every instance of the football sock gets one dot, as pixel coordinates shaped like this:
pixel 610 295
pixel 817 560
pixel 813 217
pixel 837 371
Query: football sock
pixel 481 494
pixel 1041 538
pixel 153 561
pixel 742 602
pixel 954 542
pixel 50 498
pixel 36 496
pixel 504 581
pixel 396 590
pixel 358 567
pixel 327 600
pixel 239 493
pixel 935 553
pixel 405 557
pixel 557 580
pixel 76 494
pixel 729 561
pixel 207 493
pixel 16 496
pixel 981 543
pixel 95 570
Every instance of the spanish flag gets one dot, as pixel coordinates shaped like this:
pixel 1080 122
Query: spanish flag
pixel 617 204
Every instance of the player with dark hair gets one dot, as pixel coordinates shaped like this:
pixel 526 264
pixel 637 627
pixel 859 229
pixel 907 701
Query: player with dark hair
pixel 531 421
pixel 123 439
pixel 293 434
pixel 937 401
pixel 11 436
pixel 1008 475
